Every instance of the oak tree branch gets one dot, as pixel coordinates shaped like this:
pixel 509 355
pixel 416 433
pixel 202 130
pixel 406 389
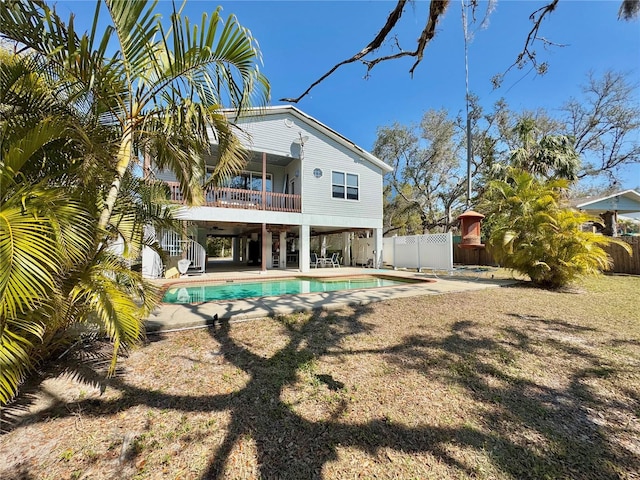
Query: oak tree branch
pixel 437 8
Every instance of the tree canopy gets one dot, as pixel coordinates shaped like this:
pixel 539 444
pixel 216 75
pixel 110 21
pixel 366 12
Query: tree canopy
pixel 587 141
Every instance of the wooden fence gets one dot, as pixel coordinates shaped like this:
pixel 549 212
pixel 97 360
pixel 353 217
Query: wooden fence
pixel 622 261
pixel 476 256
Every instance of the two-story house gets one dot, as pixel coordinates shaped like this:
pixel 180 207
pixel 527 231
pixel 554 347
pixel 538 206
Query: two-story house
pixel 302 179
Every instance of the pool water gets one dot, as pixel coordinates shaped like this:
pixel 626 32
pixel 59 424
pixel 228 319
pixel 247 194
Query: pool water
pixel 267 288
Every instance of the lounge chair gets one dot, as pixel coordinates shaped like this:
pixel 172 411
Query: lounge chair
pixel 315 261
pixel 335 262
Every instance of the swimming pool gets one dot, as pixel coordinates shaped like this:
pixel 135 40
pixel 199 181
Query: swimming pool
pixel 287 286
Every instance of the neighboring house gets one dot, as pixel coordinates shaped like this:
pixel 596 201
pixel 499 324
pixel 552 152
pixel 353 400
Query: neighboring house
pixel 609 207
pixel 302 179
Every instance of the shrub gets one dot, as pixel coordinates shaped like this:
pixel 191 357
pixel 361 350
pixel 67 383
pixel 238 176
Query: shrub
pixel 534 235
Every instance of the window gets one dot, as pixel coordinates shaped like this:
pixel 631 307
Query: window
pixel 344 185
pixel 249 181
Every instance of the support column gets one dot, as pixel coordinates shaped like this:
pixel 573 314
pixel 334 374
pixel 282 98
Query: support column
pixel 264 184
pixel 265 252
pixel 235 249
pixel 304 247
pixel 346 248
pixel 269 249
pixel 377 247
pixel 323 245
pixel 283 249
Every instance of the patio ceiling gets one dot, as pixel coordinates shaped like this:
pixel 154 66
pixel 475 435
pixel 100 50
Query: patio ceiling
pixel 281 159
pixel 234 229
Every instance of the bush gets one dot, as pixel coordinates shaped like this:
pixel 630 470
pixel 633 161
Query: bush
pixel 534 235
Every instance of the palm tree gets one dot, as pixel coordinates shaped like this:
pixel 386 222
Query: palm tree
pixel 53 277
pixel 44 229
pixel 73 122
pixel 163 88
pixel 547 156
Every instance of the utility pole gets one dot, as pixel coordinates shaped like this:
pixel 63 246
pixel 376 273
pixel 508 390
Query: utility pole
pixel 466 78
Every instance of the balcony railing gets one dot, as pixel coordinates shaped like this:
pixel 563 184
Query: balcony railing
pixel 244 199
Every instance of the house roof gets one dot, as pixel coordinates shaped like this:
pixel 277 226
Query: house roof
pixel 621 202
pixel 308 119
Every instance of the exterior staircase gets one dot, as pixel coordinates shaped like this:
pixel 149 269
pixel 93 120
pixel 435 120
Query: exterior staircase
pixel 176 246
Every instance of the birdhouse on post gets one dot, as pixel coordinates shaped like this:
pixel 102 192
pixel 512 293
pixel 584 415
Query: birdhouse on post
pixel 470 223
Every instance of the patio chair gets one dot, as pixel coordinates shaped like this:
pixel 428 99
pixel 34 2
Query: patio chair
pixel 315 261
pixel 334 261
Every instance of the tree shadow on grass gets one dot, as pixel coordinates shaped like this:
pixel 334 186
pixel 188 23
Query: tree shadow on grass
pixel 85 362
pixel 564 424
pixel 290 446
pixel 527 430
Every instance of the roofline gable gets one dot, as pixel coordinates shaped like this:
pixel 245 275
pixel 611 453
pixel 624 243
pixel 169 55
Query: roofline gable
pixel 631 193
pixel 312 122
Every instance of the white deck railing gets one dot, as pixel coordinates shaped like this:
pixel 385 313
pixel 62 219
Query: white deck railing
pixel 244 199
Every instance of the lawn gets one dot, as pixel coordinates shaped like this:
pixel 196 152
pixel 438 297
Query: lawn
pixel 508 383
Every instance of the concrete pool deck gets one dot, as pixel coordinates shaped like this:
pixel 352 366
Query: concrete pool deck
pixel 167 317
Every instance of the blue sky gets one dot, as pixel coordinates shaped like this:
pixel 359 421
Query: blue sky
pixel 301 40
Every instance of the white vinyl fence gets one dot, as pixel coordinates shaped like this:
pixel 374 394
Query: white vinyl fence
pixel 431 251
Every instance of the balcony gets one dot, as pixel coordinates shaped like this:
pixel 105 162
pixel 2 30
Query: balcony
pixel 243 199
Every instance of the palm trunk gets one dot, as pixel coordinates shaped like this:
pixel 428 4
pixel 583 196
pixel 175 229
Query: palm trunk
pixel 124 158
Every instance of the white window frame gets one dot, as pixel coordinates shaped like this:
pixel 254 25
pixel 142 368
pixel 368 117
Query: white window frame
pixel 346 186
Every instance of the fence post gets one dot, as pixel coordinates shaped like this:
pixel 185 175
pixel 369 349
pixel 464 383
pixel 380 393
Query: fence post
pixel 395 263
pixel 450 249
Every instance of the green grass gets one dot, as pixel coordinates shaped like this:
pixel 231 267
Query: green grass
pixel 509 383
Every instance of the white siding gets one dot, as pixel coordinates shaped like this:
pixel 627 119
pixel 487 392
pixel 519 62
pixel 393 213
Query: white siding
pixel 281 133
pixel 271 134
pixel 163 175
pixel 317 198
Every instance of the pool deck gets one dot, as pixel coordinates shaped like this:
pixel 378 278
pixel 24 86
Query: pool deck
pixel 168 317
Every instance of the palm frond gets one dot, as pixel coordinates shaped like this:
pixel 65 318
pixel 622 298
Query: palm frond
pixel 16 345
pixel 29 265
pixel 115 299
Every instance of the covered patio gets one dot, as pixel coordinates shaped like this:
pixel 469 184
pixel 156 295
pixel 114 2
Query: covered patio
pixel 265 247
